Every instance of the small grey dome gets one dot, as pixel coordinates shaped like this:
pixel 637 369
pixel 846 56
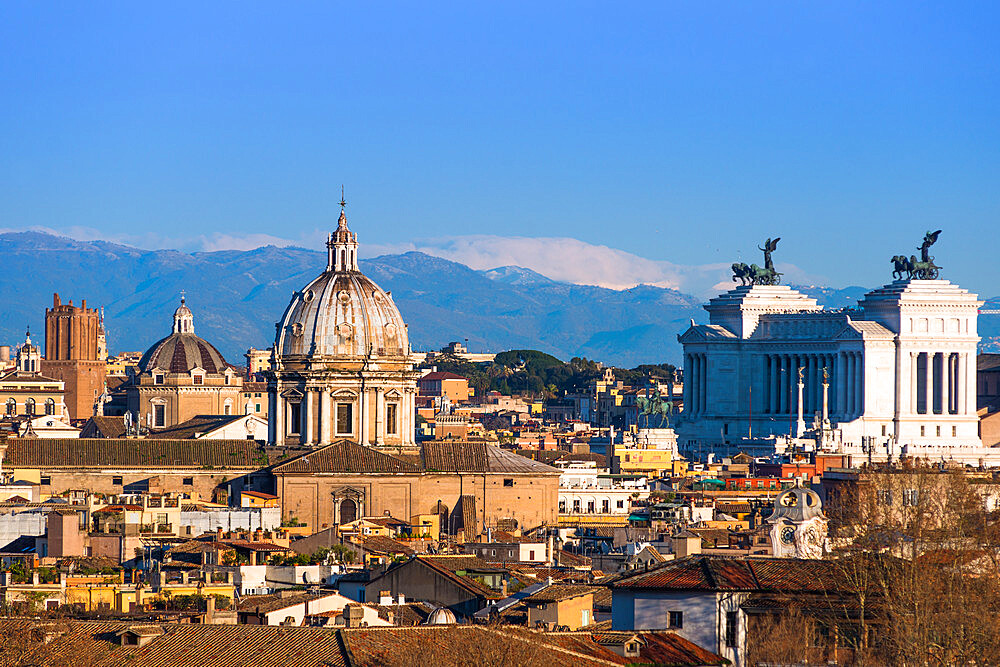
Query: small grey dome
pixel 441 616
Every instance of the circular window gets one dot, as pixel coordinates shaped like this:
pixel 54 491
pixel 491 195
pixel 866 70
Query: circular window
pixel 308 296
pixel 345 330
pixel 344 296
pixel 297 329
pixel 390 329
pixel 377 295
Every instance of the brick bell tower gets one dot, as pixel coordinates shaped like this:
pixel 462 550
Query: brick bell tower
pixel 74 347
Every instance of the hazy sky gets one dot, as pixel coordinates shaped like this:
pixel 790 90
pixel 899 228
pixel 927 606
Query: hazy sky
pixel 662 137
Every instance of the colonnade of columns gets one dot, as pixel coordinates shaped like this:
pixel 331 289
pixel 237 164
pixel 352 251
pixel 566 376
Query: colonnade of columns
pixel 696 383
pixel 313 417
pixel 845 376
pixel 939 383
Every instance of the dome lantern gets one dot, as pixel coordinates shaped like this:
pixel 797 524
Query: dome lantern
pixel 342 246
pixel 183 319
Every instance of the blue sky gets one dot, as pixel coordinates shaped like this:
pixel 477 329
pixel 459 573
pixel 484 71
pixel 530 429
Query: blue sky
pixel 666 139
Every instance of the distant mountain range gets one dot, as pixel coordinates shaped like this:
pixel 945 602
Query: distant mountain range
pixel 237 296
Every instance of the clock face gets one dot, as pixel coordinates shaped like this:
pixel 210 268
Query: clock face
pixel 787 535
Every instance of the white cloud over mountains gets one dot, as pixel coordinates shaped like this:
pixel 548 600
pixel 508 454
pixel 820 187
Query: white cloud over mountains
pixel 563 259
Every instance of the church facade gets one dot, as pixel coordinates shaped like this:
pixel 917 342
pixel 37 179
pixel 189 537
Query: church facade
pixel 895 376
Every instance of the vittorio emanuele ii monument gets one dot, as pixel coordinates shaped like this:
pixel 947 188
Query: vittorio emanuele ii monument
pixel 894 377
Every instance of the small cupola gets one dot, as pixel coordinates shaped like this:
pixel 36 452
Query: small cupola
pixel 342 245
pixel 183 319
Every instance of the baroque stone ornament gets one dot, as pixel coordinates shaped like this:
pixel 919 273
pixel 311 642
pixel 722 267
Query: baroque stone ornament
pixel 910 268
pixel 751 274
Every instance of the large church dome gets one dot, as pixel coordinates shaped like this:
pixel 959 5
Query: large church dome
pixel 342 313
pixel 182 351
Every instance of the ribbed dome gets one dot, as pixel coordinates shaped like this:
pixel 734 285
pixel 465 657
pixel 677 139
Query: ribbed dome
pixel 182 351
pixel 441 616
pixel 342 313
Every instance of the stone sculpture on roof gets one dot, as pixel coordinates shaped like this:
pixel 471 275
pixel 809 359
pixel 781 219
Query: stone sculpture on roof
pixel 751 274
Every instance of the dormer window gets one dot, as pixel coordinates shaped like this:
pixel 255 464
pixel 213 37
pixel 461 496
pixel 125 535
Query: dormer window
pixel 197 378
pixel 158 378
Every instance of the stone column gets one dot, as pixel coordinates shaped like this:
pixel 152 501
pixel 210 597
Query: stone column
pixel 379 416
pixel 963 385
pixel 277 416
pixel 913 382
pixel 765 384
pixel 326 416
pixel 852 397
pixel 306 415
pixel 362 416
pixel 688 379
pixel 271 417
pixel 776 381
pixel 861 382
pixel 929 383
pixel 704 383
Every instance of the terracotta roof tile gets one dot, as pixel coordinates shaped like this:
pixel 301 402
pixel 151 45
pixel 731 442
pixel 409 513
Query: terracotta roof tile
pixel 345 456
pixel 47 453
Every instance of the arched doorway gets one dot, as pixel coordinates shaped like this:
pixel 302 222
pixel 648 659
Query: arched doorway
pixel 348 511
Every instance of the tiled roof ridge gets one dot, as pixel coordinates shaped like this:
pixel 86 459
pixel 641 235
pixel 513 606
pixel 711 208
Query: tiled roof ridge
pixel 553 646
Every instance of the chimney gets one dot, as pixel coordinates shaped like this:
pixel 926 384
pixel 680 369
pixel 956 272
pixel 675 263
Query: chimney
pixel 385 598
pixel 210 609
pixel 218 533
pixel 400 599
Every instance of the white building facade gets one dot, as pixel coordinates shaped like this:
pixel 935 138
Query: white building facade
pixel 895 376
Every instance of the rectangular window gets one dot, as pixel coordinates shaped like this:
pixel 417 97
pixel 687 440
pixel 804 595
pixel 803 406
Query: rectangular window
pixel 296 417
pixel 391 427
pixel 345 418
pixel 938 431
pixel 116 480
pixel 508 482
pixel 197 379
pixel 189 481
pixel 732 627
pixel 257 407
pixel 45 480
pixel 227 379
pixel 605 506
pixel 883 429
pixel 158 379
pixel 954 431
pixel 910 497
pixel 676 619
pixel 159 416
pixel 621 504
pixel 922 431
